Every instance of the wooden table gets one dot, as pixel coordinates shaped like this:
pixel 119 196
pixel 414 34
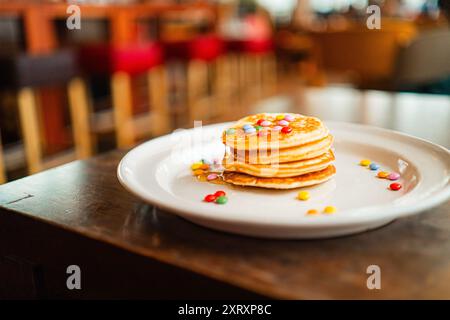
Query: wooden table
pixel 79 214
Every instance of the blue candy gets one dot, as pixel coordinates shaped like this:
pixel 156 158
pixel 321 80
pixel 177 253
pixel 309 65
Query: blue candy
pixel 250 130
pixel 374 166
pixel 247 126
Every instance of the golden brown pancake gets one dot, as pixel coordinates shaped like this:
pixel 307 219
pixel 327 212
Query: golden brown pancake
pixel 304 180
pixel 304 130
pixel 306 151
pixel 281 170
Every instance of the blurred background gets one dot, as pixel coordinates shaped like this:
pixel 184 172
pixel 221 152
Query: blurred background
pixel 139 69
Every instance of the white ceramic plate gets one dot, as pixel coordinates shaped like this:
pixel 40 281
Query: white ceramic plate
pixel 158 172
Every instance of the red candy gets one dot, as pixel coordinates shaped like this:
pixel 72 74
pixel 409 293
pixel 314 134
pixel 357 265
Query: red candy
pixel 286 129
pixel 210 198
pixel 395 186
pixel 260 121
pixel 219 193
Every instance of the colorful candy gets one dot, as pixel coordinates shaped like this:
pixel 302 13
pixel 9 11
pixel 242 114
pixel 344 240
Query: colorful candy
pixel 289 117
pixel 374 166
pixel 198 172
pixel 231 131
pixel 329 209
pixel 312 212
pixel 218 197
pixel 221 200
pixel 247 126
pixel 303 195
pixel 263 133
pixel 364 162
pixel 250 130
pixel 393 176
pixel 260 121
pixel 286 130
pixel 395 186
pixel 220 193
pixel 277 128
pixel 258 128
pixel 280 117
pixel 212 176
pixel 265 123
pixel 283 123
pixel 196 165
pixel 210 198
pixel 383 174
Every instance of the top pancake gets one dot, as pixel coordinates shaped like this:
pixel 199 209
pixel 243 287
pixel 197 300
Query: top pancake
pixel 304 130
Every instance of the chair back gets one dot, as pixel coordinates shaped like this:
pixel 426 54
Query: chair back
pixel 25 70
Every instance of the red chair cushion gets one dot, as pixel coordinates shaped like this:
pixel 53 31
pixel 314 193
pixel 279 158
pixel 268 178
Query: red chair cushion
pixel 206 48
pixel 104 58
pixel 258 46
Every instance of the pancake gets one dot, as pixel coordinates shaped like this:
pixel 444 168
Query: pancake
pixel 304 130
pixel 282 170
pixel 304 180
pixel 306 151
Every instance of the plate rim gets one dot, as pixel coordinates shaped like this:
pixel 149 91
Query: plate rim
pixel 389 211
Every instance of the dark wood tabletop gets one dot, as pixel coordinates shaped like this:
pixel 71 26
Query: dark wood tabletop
pixel 80 214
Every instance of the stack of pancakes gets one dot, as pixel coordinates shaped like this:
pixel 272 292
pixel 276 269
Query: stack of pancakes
pixel 269 156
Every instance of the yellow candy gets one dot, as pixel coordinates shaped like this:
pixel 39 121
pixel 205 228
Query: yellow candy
pixel 382 174
pixel 280 117
pixel 364 162
pixel 312 211
pixel 303 195
pixel 196 165
pixel 329 209
pixel 198 172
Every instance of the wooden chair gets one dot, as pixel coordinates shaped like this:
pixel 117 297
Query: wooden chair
pixel 26 74
pixel 201 92
pixel 259 63
pixel 121 64
pixel 206 92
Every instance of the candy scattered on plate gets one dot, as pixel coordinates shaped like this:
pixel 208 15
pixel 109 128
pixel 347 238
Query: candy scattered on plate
pixel 303 195
pixel 329 209
pixel 395 186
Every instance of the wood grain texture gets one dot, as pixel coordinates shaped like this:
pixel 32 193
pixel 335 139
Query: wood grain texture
pixel 85 198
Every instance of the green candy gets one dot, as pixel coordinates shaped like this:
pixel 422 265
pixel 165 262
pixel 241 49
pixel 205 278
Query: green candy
pixel 258 128
pixel 231 131
pixel 221 200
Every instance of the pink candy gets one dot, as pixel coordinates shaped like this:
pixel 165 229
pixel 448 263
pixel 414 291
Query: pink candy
pixel 283 123
pixel 277 128
pixel 289 117
pixel 393 176
pixel 212 176
pixel 262 133
pixel 265 123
